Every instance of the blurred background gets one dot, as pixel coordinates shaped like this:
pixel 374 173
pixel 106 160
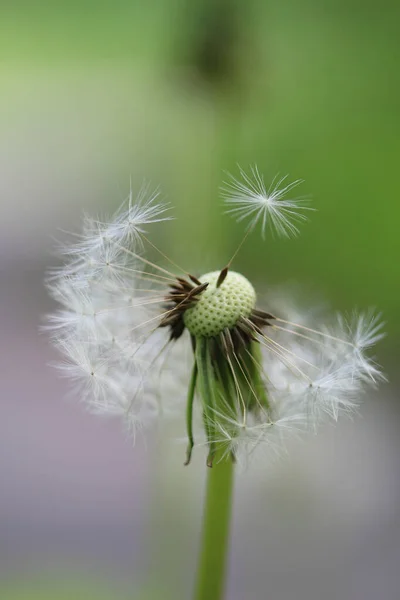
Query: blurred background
pixel 96 92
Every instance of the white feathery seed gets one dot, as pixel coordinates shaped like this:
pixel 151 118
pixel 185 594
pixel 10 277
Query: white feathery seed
pixel 130 220
pixel 249 198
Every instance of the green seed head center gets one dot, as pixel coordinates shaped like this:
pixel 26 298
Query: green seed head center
pixel 220 307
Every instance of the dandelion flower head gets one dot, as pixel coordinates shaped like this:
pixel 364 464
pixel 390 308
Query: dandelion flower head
pixel 140 339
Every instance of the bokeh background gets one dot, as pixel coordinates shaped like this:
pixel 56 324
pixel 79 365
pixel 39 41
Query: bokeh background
pixel 96 92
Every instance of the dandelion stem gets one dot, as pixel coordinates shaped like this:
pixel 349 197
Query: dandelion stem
pixel 215 531
pixel 207 390
pixel 189 414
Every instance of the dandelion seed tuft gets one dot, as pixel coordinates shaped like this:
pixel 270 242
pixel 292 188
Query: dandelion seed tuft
pixel 250 199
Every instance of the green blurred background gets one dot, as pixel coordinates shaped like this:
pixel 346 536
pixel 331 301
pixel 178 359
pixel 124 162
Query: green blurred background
pixel 96 92
pixel 179 92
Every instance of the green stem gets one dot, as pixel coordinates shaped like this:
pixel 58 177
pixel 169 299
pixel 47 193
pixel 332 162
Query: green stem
pixel 215 532
pixel 207 392
pixel 189 413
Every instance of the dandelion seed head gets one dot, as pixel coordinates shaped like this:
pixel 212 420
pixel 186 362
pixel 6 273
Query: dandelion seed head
pixel 220 307
pixel 139 340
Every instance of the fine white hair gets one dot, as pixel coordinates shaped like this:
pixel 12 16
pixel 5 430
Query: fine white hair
pixel 249 198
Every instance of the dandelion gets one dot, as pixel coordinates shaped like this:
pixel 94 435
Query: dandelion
pixel 140 339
